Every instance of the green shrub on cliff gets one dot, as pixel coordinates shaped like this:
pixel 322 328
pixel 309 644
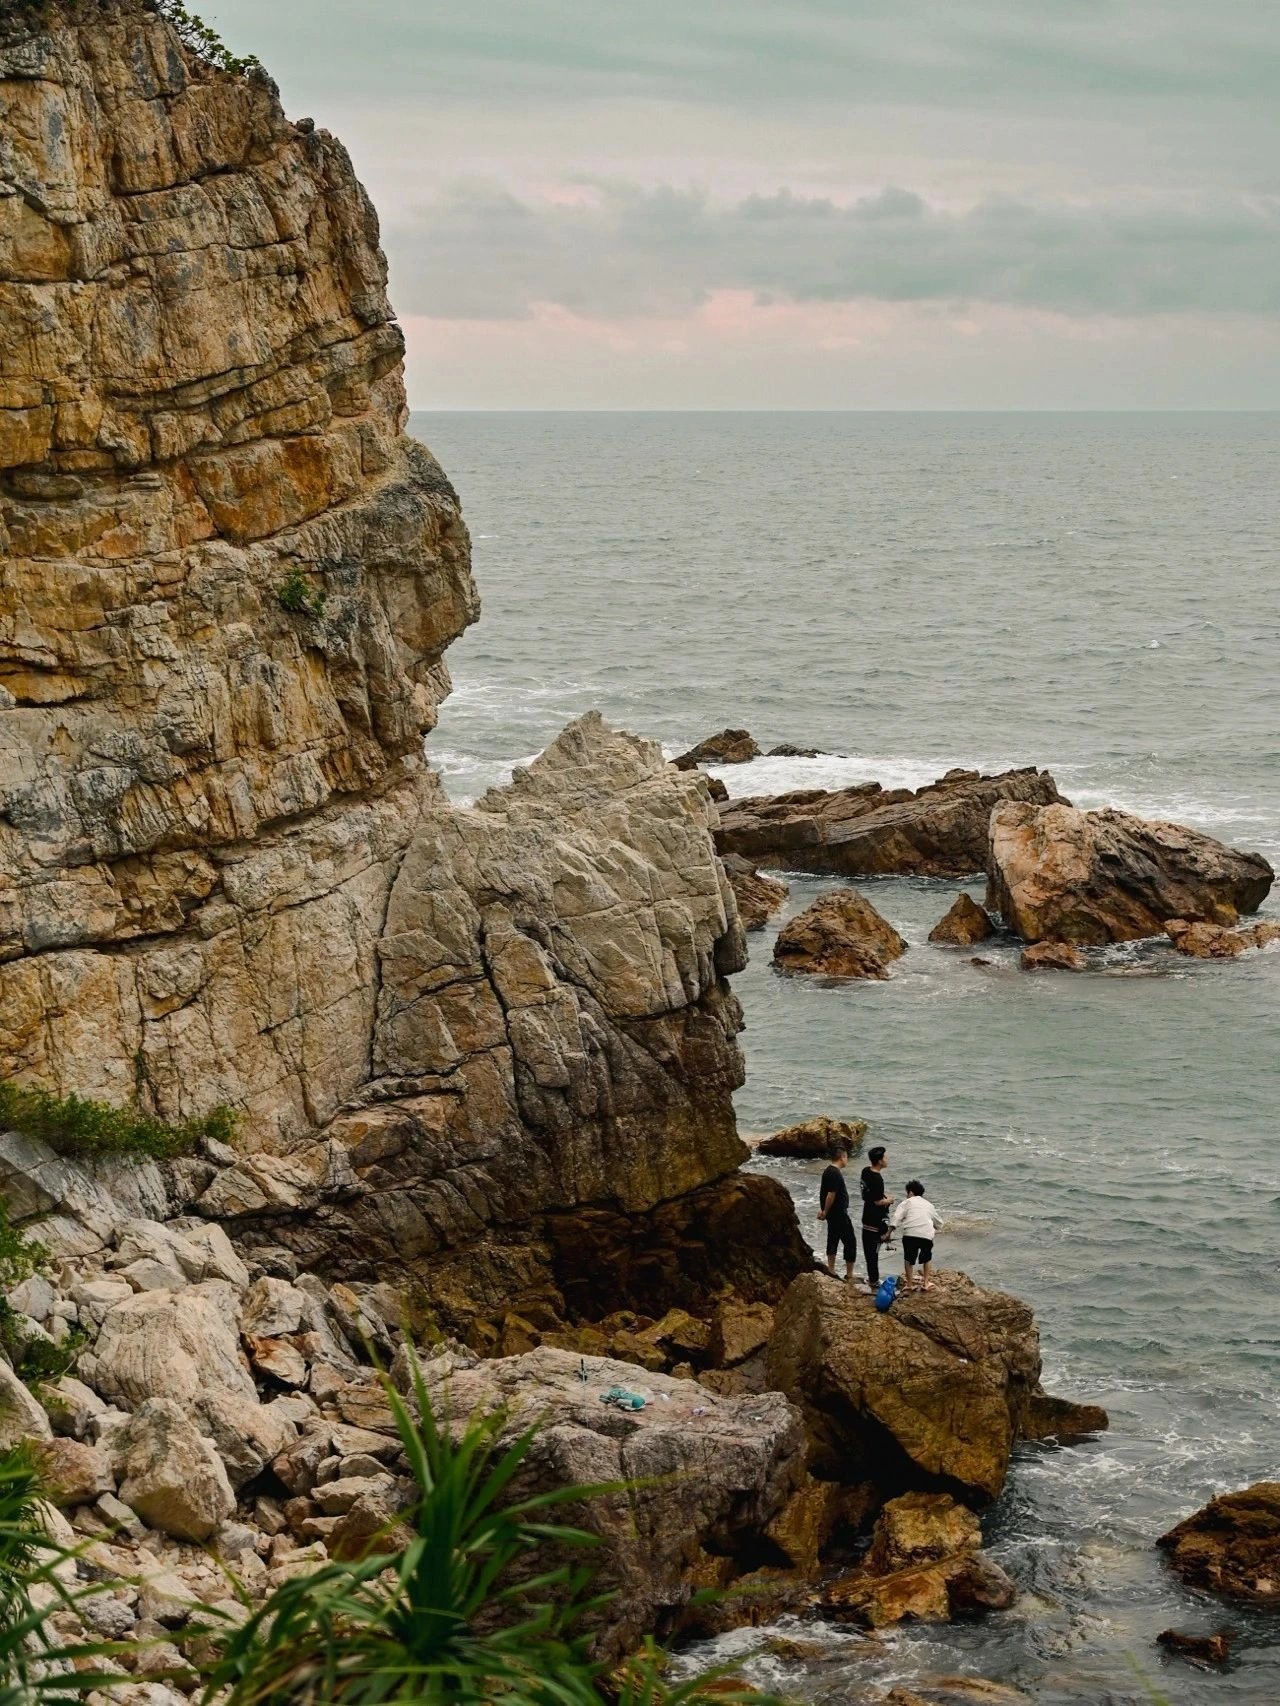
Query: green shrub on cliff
pixel 78 1125
pixel 472 1611
pixel 191 30
pixel 196 34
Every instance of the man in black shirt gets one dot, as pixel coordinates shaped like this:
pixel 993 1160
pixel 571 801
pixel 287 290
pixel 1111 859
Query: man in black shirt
pixel 875 1212
pixel 833 1207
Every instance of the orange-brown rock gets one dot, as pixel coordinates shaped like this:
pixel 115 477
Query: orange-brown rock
pixel 816 1139
pixel 1062 875
pixel 932 1394
pixel 964 924
pixel 938 831
pixel 758 897
pixel 841 935
pixel 924 1563
pixel 1051 956
pixel 1232 1546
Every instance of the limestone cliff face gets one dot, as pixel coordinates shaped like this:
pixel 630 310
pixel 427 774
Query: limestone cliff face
pixel 225 871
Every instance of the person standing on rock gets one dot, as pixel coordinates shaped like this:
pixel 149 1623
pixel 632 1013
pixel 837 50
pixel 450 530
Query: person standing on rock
pixel 875 1212
pixel 918 1220
pixel 833 1207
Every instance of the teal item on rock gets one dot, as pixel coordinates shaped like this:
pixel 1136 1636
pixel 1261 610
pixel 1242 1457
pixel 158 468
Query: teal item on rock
pixel 887 1292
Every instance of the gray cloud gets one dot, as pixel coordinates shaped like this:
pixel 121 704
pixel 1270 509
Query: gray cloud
pixel 482 252
pixel 965 52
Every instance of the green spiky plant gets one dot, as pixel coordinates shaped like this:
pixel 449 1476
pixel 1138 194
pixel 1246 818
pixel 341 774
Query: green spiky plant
pixel 472 1611
pixel 37 1666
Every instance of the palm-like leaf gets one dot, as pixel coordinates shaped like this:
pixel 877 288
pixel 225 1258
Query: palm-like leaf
pixel 462 1616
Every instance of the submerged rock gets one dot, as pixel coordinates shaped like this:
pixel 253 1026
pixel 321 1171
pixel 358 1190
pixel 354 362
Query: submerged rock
pixel 758 897
pixel 815 1139
pixel 1202 1651
pixel 840 935
pixel 1232 1546
pixel 730 746
pixel 1058 874
pixel 964 924
pixel 938 831
pixel 932 1394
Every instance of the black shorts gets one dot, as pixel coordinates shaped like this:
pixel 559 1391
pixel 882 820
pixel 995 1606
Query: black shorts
pixel 917 1250
pixel 840 1231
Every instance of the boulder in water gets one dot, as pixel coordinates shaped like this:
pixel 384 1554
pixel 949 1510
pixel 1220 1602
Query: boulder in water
pixel 931 1395
pixel 1232 1546
pixel 965 924
pixel 1063 875
pixel 1204 941
pixel 816 1139
pixel 840 935
pixel 730 746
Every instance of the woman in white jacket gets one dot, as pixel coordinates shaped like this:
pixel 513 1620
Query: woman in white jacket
pixel 918 1220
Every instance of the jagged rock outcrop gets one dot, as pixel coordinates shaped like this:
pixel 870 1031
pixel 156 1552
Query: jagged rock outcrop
pixel 1058 874
pixel 938 831
pixel 1232 1546
pixel 840 935
pixel 758 897
pixel 226 874
pixel 930 1396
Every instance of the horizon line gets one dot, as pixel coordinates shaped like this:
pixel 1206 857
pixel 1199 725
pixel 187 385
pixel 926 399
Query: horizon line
pixel 650 409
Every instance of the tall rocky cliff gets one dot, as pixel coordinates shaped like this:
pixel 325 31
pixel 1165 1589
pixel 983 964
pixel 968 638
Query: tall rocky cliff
pixel 494 1047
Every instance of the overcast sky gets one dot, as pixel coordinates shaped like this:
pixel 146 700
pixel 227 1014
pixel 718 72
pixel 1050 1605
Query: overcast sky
pixel 810 203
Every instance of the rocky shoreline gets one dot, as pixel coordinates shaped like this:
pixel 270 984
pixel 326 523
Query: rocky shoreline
pixel 482 1059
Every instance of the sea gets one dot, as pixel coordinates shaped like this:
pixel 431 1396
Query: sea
pixel 1093 593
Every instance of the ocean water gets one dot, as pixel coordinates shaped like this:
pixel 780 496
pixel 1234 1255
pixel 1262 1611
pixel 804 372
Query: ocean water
pixel 1092 593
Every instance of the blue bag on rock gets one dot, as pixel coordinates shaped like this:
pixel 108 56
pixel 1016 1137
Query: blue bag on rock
pixel 887 1292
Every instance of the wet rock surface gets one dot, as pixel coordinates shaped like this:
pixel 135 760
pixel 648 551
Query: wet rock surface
pixel 1232 1546
pixel 841 935
pixel 1063 875
pixel 938 831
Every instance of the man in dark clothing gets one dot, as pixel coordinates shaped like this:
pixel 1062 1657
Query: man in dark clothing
pixel 833 1207
pixel 875 1212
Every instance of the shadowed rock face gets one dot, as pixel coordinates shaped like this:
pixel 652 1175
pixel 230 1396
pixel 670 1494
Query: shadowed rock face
pixel 225 873
pixel 938 831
